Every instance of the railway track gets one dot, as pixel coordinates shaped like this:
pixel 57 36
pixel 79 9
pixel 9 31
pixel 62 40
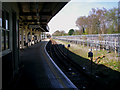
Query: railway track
pixel 73 71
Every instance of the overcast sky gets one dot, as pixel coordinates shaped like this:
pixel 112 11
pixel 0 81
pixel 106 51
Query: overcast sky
pixel 65 19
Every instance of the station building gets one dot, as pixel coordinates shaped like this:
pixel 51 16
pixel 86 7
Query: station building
pixel 22 24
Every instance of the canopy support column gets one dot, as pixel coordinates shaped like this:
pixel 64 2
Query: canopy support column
pixel 39 36
pixel 22 38
pixel 30 36
pixel 26 36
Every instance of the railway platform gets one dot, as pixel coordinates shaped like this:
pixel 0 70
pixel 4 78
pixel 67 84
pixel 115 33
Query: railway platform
pixel 39 71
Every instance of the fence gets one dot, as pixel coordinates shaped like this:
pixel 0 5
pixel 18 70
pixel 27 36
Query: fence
pixel 100 41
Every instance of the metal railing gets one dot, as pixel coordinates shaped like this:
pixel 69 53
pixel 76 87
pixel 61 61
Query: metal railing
pixel 104 40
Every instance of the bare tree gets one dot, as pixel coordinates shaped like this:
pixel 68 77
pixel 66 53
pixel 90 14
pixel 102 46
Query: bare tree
pixel 99 21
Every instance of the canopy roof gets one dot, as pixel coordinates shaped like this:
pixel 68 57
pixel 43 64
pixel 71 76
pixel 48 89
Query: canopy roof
pixel 38 13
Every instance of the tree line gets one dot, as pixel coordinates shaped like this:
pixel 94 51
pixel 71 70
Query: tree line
pixel 63 33
pixel 99 21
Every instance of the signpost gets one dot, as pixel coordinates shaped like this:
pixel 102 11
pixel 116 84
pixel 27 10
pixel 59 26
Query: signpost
pixel 63 46
pixel 90 54
pixel 68 48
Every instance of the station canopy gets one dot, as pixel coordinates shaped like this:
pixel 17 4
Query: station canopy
pixel 38 14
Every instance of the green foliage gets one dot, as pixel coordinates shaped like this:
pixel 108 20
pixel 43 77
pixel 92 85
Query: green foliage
pixel 59 33
pixel 71 31
pixel 85 33
pixel 76 32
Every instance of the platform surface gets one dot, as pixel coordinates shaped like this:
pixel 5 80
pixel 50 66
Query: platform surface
pixel 39 71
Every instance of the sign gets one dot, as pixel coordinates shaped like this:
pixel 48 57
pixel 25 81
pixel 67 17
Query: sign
pixel 68 45
pixel 90 54
pixel 34 26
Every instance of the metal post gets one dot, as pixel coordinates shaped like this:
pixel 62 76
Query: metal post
pixel 44 35
pixel 22 38
pixel 36 33
pixel 26 37
pixel 39 36
pixel 115 46
pixel 91 63
pixel 34 36
pixel 31 36
pixel 103 44
pixel 90 54
pixel 68 49
pixel 96 51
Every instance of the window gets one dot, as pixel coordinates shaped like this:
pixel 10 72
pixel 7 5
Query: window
pixel 3 39
pixel 5 30
pixel 0 22
pixel 7 24
pixel 3 19
pixel 7 39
